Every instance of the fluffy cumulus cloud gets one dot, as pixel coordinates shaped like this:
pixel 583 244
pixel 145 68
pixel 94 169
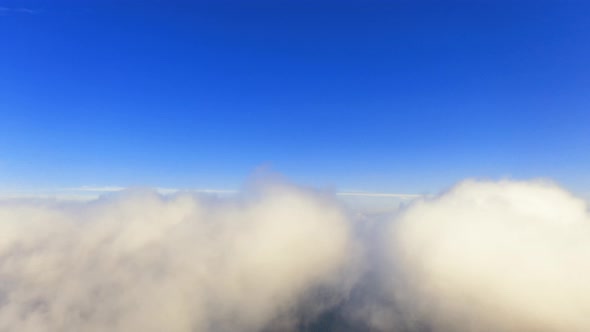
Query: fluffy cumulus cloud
pixel 138 261
pixel 483 256
pixel 504 256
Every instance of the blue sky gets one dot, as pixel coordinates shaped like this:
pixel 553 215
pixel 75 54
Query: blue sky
pixel 386 96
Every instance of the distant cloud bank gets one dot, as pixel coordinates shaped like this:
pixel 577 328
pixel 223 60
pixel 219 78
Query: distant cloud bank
pixel 483 256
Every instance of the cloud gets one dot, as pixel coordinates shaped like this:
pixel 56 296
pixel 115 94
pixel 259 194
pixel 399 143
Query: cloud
pixel 17 10
pixel 383 195
pixel 485 256
pixel 104 189
pixel 139 261
pixel 107 189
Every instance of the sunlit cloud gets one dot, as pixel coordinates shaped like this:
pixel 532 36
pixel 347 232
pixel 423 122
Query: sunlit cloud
pixel 139 261
pixel 482 256
pixel 495 256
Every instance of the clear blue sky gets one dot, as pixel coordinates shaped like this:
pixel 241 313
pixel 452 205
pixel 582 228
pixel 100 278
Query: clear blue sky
pixel 398 96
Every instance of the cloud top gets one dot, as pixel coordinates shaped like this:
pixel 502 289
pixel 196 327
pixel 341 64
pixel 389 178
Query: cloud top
pixel 502 256
pixel 138 261
pixel 483 256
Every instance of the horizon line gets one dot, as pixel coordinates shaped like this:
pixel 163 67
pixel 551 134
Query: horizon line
pixel 92 192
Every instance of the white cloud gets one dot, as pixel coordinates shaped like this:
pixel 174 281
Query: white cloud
pixel 138 261
pixel 504 256
pixel 483 256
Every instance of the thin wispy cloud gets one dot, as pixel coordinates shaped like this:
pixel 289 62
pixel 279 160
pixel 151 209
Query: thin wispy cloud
pixel 17 10
pixel 233 191
pixel 95 189
pixel 378 194
pixel 93 192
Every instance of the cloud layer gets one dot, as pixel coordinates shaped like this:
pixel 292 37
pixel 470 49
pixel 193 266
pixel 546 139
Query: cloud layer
pixel 142 262
pixel 483 256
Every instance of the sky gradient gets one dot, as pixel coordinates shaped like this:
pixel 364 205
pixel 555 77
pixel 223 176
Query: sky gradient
pixel 384 96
